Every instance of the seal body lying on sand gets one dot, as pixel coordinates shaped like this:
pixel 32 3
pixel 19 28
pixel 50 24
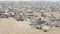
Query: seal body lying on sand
pixel 45 28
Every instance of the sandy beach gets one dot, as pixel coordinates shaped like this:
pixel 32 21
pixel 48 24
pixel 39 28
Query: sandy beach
pixel 11 26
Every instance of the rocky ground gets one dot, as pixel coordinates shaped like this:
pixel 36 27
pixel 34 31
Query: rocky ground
pixel 11 26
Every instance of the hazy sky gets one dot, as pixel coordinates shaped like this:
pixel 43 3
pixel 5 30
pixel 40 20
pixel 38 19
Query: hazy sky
pixel 29 0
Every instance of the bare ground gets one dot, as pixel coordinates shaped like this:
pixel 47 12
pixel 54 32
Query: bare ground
pixel 11 26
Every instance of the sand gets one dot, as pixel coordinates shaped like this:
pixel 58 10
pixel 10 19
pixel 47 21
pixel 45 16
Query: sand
pixel 11 26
